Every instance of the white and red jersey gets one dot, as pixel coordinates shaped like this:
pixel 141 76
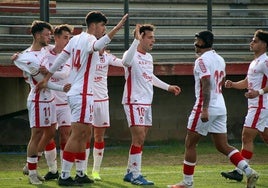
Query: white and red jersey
pixel 101 72
pixel 29 62
pixel 210 64
pixel 257 79
pixel 84 59
pixel 60 77
pixel 139 80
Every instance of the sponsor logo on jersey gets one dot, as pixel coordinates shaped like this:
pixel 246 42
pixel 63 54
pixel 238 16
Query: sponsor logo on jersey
pixel 202 66
pixel 97 79
pixel 146 76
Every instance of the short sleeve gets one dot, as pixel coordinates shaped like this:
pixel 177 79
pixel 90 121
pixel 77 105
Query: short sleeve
pixel 24 63
pixel 202 67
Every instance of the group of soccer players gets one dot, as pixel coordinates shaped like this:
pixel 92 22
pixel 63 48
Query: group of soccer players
pixel 69 92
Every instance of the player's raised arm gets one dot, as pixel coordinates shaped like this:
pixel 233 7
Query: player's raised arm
pixel 118 26
pixel 129 54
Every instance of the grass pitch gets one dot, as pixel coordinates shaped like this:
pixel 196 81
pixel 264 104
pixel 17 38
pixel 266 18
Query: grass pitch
pixel 162 163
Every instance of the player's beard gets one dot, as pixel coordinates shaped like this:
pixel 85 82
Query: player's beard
pixel 43 43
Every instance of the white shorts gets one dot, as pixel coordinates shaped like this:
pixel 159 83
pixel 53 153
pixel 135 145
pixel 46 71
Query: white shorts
pixel 216 124
pixel 101 113
pixel 257 119
pixel 63 115
pixel 81 108
pixel 41 114
pixel 138 115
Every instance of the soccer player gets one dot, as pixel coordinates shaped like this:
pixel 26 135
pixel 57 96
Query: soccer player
pixel 101 107
pixel 62 35
pixel 138 95
pixel 41 107
pixel 209 112
pixel 83 50
pixel 256 83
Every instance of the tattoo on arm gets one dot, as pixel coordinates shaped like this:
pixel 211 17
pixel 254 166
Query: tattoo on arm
pixel 205 91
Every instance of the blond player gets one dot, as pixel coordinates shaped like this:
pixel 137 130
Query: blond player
pixel 137 97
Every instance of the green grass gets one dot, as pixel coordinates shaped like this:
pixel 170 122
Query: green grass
pixel 161 164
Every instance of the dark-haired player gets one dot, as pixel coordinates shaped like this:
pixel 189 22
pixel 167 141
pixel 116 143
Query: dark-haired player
pixel 209 112
pixel 83 51
pixel 256 83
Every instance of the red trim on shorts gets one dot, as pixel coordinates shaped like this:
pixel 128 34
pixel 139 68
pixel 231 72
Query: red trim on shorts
pixel 63 104
pixel 85 88
pixel 246 154
pixel 131 113
pixel 37 113
pixel 135 150
pixel 236 158
pixel 198 110
pixel 99 145
pixel 260 104
pixel 256 118
pixel 101 100
pixel 42 101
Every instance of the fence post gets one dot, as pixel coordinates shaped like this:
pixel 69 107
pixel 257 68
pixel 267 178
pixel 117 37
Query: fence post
pixel 209 15
pixel 126 35
pixel 44 10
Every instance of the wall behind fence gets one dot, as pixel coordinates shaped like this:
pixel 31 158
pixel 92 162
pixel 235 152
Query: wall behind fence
pixel 170 113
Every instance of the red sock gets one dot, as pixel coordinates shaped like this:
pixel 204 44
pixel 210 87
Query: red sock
pixel 135 149
pixel 246 154
pixel 68 156
pixel 99 145
pixel 188 168
pixel 236 158
pixel 50 146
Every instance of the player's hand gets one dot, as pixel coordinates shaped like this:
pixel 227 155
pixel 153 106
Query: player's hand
pixel 228 84
pixel 67 87
pixel 138 35
pixel 14 56
pixel 204 115
pixel 40 85
pixel 174 89
pixel 251 94
pixel 43 70
pixel 122 22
